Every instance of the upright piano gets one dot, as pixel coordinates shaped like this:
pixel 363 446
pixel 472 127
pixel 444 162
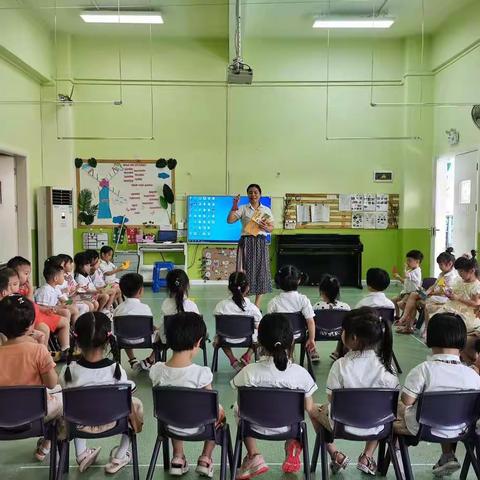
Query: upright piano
pixel 317 254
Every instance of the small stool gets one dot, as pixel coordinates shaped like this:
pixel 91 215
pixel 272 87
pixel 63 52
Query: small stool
pixel 159 281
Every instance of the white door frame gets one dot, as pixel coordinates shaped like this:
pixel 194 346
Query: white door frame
pixel 24 211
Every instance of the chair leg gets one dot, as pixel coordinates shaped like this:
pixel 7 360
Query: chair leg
pixel 471 454
pixel 205 358
pixel 166 454
pixel 306 453
pixel 465 467
pixel 224 455
pixel 302 354
pixel 133 441
pixel 393 456
pixel 397 365
pixel 53 451
pixel 229 445
pixel 407 466
pixel 316 450
pixel 237 454
pixel 153 460
pixel 381 455
pixel 310 367
pixel 324 455
pixel 215 359
pixel 63 460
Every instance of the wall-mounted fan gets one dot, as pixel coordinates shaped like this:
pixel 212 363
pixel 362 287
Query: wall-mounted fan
pixel 476 115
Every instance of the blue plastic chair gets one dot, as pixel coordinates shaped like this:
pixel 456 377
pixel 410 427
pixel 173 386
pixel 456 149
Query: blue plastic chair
pixel 158 281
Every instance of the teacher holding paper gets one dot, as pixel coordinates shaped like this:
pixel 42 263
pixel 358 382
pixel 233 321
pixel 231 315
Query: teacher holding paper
pixel 252 253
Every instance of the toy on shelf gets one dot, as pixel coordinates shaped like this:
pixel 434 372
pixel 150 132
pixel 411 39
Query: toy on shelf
pixel 132 234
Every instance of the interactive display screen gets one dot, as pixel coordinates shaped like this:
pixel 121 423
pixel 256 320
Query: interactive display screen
pixel 207 218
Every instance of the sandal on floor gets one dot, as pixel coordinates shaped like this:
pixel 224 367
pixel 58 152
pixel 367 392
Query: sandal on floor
pixel 336 465
pixel 87 458
pixel 334 356
pixel 369 467
pixel 237 365
pixel 204 466
pixel 41 451
pixel 115 464
pixel 405 330
pixel 178 466
pixel 292 463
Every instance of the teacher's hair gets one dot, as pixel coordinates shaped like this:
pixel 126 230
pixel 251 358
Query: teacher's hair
pixel 255 185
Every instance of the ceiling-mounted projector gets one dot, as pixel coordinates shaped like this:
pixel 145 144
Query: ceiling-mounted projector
pixel 239 73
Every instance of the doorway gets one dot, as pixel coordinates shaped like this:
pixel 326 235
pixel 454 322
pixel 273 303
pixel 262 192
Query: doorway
pixel 456 198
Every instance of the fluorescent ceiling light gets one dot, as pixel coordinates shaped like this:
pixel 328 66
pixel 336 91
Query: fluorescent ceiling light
pixel 353 23
pixel 115 17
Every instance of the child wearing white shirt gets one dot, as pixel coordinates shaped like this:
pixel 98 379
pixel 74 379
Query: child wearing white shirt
pixel 368 364
pixel 412 279
pixel 131 286
pixel 288 279
pixel 329 288
pixel 239 304
pixel 275 370
pixel 108 269
pixel 111 289
pixel 378 280
pixel 180 371
pixel 93 335
pixel 85 286
pixel 446 336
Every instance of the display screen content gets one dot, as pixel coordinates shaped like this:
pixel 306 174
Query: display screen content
pixel 207 218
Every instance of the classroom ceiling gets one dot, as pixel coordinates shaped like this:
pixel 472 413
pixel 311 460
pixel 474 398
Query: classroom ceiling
pixel 288 19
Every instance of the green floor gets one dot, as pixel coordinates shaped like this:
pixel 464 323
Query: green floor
pixel 17 460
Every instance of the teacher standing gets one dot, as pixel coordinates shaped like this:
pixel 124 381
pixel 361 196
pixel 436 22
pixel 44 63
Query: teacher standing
pixel 252 253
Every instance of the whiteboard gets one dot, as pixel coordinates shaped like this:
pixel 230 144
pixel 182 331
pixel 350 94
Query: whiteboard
pixel 130 188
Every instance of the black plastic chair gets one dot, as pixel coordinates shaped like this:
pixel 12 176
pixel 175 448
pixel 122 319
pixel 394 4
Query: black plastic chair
pixel 359 408
pixel 232 326
pixel 93 406
pixel 271 408
pixel 163 347
pixel 299 327
pixel 135 331
pixel 22 415
pixel 188 408
pixel 389 313
pixel 439 410
pixel 428 282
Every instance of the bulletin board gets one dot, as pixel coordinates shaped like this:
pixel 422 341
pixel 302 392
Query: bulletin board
pixel 127 188
pixel 218 263
pixel 341 211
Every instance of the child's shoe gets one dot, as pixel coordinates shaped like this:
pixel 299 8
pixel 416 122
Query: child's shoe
pixel 252 467
pixel 292 463
pixel 336 464
pixel 245 358
pixel 135 365
pixel 115 464
pixel 314 356
pixel 446 465
pixel 367 465
pixel 42 450
pixel 204 466
pixel 178 466
pixel 146 364
pixel 237 365
pixel 87 458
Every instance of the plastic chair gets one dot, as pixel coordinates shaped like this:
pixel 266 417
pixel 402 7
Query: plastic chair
pixel 22 415
pixel 135 331
pixel 271 408
pixel 299 327
pixel 97 405
pixel 158 281
pixel 389 313
pixel 360 408
pixel 428 282
pixel 437 410
pixel 232 326
pixel 163 347
pixel 188 408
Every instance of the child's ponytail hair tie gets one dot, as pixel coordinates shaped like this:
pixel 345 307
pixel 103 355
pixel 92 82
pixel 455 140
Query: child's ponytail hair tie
pixel 277 344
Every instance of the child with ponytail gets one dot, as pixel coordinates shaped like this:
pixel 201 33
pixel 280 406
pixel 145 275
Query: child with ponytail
pixel 239 304
pixel 367 364
pixel 93 336
pixel 274 370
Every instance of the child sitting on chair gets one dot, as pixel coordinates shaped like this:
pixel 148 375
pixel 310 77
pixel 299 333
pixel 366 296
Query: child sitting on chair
pixel 274 370
pixel 26 362
pixel 378 280
pixel 184 337
pixel 239 304
pixel 367 364
pixel 412 280
pixel 93 335
pixel 131 286
pixel 446 336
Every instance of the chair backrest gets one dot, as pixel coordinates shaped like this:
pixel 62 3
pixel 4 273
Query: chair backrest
pixel 234 326
pixel 448 409
pixel 22 411
pixel 185 407
pixel 97 405
pixel 328 324
pixel 297 322
pixel 133 327
pixel 256 406
pixel 388 313
pixel 428 282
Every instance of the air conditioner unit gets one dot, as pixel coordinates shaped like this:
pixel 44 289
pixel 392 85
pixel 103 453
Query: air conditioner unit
pixel 54 223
